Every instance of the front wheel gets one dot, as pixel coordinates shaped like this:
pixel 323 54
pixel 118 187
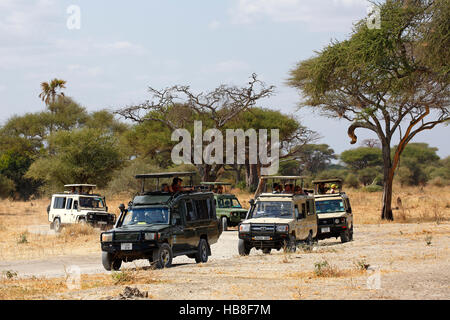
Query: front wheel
pixel 291 244
pixel 202 252
pixel 224 224
pixel 109 262
pixel 345 236
pixel 243 248
pixel 163 256
pixel 57 225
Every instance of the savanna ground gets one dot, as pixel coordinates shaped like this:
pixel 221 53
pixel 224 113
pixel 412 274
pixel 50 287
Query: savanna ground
pixel 409 257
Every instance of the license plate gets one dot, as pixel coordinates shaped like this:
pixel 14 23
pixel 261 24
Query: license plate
pixel 101 222
pixel 262 238
pixel 327 229
pixel 126 246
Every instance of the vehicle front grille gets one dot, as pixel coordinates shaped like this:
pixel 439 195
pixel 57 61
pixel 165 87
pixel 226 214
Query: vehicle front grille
pixel 264 228
pixel 126 236
pixel 93 216
pixel 241 214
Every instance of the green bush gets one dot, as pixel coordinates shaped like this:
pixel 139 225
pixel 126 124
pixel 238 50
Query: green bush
pixel 352 181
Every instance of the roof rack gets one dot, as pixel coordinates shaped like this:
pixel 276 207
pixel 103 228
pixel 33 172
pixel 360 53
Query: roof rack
pixel 316 183
pixel 262 185
pixel 162 175
pixel 77 188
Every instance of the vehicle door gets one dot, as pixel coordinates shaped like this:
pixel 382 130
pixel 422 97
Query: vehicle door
pixel 301 221
pixel 203 220
pixel 190 228
pixel 70 215
pixel 180 241
pixel 59 208
pixel 311 217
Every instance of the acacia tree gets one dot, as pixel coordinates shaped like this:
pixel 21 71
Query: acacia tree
pixel 392 80
pixel 177 107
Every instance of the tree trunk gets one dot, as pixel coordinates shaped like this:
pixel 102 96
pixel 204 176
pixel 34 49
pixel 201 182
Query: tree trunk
pixel 386 211
pixel 251 176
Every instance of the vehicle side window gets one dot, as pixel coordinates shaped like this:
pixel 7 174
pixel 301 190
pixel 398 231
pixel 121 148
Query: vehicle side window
pixel 202 209
pixel 69 203
pixel 60 203
pixel 210 205
pixel 176 214
pixel 190 213
pixel 297 214
pixel 310 207
pixel 303 211
pixel 75 205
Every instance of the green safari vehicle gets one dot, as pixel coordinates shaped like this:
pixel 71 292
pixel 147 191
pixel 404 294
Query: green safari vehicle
pixel 228 208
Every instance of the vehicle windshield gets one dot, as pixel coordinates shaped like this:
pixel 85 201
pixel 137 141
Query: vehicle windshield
pixel 327 206
pixel 273 209
pixel 147 216
pixel 92 202
pixel 228 203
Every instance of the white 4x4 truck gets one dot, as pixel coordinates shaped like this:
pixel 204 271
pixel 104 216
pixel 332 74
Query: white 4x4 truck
pixel 79 205
pixel 333 209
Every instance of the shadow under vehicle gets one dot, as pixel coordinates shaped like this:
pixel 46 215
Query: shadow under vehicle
pixel 228 208
pixel 160 225
pixel 278 219
pixel 79 205
pixel 333 210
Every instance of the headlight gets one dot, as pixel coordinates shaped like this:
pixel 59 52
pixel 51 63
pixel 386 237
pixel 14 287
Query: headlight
pixel 336 221
pixel 244 228
pixel 150 236
pixel 107 237
pixel 282 228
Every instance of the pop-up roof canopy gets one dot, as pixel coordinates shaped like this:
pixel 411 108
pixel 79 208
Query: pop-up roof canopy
pixel 263 182
pixel 79 187
pixel 336 181
pixel 162 175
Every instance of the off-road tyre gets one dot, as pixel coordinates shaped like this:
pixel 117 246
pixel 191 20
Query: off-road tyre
pixel 163 256
pixel 202 252
pixel 243 248
pixel 109 262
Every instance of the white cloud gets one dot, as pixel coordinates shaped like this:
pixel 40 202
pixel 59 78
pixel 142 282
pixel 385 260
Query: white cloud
pixel 323 14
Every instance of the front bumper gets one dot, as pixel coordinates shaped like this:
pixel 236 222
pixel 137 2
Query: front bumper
pixel 334 230
pixel 139 250
pixel 274 240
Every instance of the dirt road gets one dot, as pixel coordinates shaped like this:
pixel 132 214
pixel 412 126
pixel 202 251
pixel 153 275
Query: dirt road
pixel 404 261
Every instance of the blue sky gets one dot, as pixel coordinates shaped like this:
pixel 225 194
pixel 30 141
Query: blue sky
pixel 123 47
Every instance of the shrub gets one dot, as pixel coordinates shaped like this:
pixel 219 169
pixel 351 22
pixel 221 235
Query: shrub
pixel 352 181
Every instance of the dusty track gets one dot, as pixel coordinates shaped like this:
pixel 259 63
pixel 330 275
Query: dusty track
pixel 413 262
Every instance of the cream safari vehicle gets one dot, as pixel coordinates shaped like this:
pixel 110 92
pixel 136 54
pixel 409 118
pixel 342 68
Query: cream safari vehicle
pixel 280 218
pixel 79 205
pixel 333 209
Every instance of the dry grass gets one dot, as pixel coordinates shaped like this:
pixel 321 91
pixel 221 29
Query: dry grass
pixel 13 288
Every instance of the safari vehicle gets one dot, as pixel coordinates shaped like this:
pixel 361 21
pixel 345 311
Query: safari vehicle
pixel 79 205
pixel 278 219
pixel 160 225
pixel 333 209
pixel 228 208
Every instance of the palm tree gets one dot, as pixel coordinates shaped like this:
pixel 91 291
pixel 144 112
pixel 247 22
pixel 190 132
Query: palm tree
pixel 49 95
pixel 52 91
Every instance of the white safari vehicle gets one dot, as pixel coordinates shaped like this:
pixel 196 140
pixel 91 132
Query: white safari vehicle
pixel 278 219
pixel 79 205
pixel 333 209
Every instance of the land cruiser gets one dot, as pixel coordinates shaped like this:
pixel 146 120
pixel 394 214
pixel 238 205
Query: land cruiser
pixel 228 208
pixel 79 205
pixel 278 219
pixel 333 209
pixel 160 225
